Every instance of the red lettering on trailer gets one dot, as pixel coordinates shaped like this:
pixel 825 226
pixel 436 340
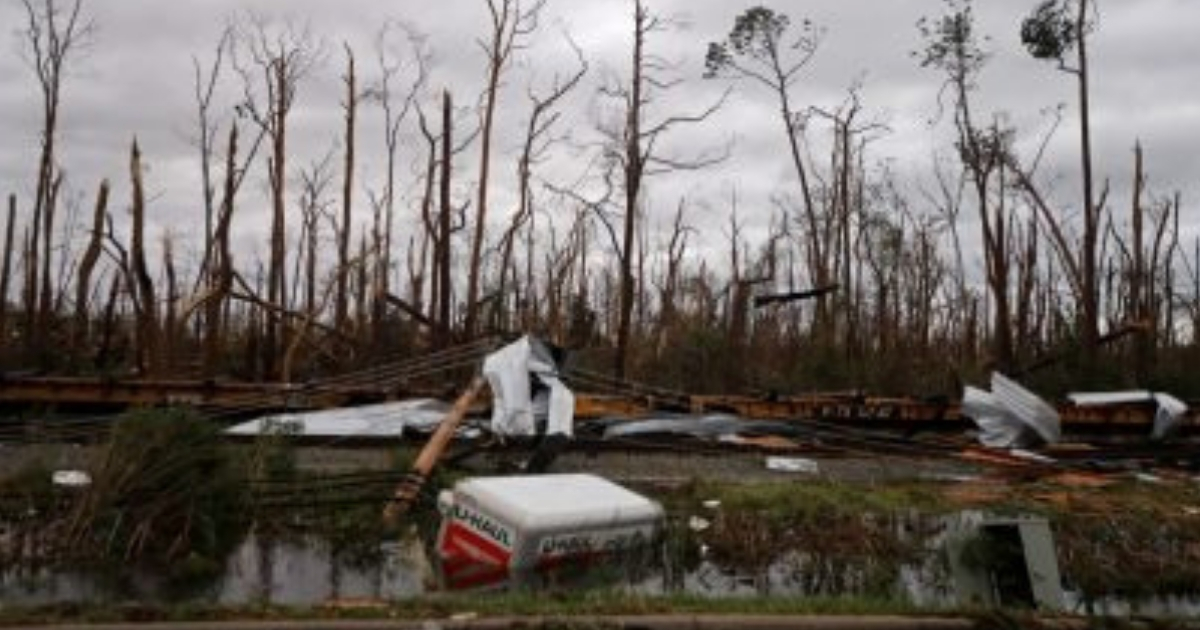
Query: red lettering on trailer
pixel 462 541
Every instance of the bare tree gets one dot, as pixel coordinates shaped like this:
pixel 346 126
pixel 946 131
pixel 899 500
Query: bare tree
pixel 147 318
pixel 442 245
pixel 417 269
pixel 350 107
pixel 538 138
pixel 668 288
pixel 634 150
pixel 204 86
pixel 395 108
pixel 510 23
pixel 313 206
pixel 53 32
pixel 87 266
pixel 46 292
pixel 830 241
pixel 953 47
pixel 170 329
pixel 221 278
pixel 6 267
pixel 758 49
pixel 1144 260
pixel 1051 32
pixel 281 60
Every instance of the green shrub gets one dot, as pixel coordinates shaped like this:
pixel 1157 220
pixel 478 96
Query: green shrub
pixel 168 493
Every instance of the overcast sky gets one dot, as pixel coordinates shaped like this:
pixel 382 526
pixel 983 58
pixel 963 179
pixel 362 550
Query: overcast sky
pixel 135 78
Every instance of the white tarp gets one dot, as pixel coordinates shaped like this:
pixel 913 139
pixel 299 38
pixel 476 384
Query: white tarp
pixel 389 419
pixel 1166 417
pixel 511 372
pixel 1011 416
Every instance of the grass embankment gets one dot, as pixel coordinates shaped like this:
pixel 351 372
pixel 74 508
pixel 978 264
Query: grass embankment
pixel 462 606
pixel 1122 538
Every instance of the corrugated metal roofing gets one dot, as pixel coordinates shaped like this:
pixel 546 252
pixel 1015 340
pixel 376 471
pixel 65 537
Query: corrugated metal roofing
pixel 389 419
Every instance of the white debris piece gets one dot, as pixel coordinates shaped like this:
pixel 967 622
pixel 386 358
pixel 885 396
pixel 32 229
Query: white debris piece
pixel 997 429
pixel 793 465
pixel 1021 453
pixel 1011 416
pixel 1170 409
pixel 381 420
pixel 1098 399
pixel 71 478
pixel 511 372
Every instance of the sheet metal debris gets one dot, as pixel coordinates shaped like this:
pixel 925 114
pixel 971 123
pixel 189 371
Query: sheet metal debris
pixel 717 426
pixel 1011 416
pixel 514 372
pixel 71 478
pixel 709 426
pixel 793 465
pixel 1169 409
pixel 383 420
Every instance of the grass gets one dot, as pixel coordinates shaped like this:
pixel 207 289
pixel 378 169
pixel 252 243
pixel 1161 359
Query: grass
pixel 443 606
pixel 1129 539
pixel 789 499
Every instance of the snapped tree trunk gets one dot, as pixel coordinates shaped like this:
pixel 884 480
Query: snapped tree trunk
pixel 147 332
pixel 6 268
pixel 633 183
pixel 350 106
pixel 221 278
pixel 1089 301
pixel 87 266
pixel 443 229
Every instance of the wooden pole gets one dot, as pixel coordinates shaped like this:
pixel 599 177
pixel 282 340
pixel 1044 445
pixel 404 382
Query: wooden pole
pixel 408 489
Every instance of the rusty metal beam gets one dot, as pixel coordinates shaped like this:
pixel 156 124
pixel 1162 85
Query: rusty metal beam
pixel 847 408
pixel 211 394
pixel 868 410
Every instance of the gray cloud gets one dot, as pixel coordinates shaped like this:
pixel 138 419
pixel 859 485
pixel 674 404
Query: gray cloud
pixel 137 80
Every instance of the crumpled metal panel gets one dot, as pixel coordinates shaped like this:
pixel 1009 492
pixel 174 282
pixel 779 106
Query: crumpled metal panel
pixel 510 372
pixel 389 419
pixel 1166 417
pixel 709 426
pixel 1011 416
pixel 997 428
pixel 1026 405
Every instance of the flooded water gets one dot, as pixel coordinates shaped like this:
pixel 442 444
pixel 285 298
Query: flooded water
pixel 308 571
pixel 301 571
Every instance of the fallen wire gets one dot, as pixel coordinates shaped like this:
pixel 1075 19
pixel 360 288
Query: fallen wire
pixel 379 377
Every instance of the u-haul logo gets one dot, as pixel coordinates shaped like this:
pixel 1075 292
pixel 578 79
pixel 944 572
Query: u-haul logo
pixel 584 543
pixel 483 524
